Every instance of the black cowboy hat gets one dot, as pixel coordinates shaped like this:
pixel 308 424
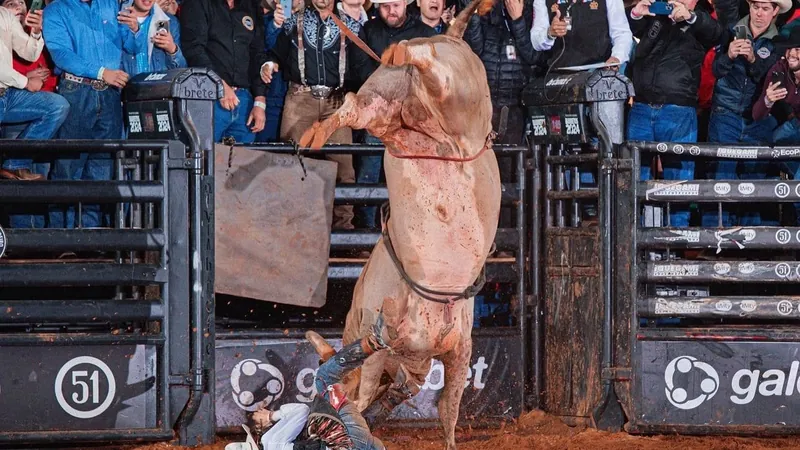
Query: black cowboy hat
pixel 783 43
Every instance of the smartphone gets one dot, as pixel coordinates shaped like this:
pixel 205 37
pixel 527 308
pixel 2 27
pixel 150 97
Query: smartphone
pixel 741 32
pixel 661 8
pixel 162 26
pixel 778 75
pixel 36 5
pixel 125 5
pixel 287 8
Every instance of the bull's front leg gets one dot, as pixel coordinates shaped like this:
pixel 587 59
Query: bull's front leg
pixel 456 366
pixel 357 112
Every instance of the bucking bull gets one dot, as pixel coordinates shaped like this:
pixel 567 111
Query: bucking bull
pixel 429 103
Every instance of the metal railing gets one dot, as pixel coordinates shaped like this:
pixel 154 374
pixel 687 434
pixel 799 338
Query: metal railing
pixel 700 308
pixel 100 317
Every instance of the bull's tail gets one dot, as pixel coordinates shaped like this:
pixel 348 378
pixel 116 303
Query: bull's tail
pixel 460 24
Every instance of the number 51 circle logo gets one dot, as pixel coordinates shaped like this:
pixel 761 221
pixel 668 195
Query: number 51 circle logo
pixel 84 385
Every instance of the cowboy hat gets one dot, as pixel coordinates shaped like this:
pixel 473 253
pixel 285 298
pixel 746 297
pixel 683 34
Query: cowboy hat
pixel 783 5
pixel 783 43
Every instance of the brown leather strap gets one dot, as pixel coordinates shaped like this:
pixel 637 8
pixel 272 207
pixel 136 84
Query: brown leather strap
pixel 356 40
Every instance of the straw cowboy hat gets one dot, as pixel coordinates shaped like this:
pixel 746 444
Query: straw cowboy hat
pixel 783 5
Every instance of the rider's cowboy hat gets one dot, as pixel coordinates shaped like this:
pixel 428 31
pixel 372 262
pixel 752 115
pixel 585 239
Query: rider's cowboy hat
pixel 783 5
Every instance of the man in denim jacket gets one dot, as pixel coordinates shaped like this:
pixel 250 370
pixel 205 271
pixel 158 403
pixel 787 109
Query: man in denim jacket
pixel 157 40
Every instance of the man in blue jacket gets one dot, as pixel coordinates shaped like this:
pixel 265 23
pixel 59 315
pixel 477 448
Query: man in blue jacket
pixel 157 40
pixel 85 40
pixel 740 67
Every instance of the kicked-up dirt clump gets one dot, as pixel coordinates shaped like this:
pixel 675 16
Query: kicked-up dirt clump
pixel 539 431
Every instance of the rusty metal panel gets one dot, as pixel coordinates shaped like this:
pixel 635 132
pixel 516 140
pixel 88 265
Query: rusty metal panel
pixel 573 321
pixel 273 223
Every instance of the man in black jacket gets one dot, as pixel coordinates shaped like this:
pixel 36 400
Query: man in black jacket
pixel 666 77
pixel 228 37
pixel 501 39
pixel 392 25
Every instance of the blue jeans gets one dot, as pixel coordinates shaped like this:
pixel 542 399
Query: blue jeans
pixel 276 94
pixel 332 372
pixel 43 112
pixel 729 127
pixel 788 134
pixel 234 123
pixel 93 115
pixel 27 216
pixel 369 172
pixel 666 123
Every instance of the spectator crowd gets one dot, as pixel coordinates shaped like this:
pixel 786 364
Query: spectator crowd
pixel 726 72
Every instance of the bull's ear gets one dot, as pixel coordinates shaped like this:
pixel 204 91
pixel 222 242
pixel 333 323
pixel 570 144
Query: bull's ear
pixel 387 57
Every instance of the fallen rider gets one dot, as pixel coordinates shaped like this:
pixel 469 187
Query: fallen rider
pixel 331 421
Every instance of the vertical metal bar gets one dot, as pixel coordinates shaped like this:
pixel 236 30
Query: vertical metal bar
pixel 535 269
pixel 575 213
pixel 149 172
pixel 166 291
pixel 560 182
pixel 119 215
pixel 522 233
pixel 548 174
pixel 196 307
pixel 605 181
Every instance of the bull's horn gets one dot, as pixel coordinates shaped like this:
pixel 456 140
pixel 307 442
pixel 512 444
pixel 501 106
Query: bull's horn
pixel 459 25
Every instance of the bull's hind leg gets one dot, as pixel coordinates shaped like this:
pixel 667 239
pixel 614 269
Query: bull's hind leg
pixel 405 386
pixel 456 366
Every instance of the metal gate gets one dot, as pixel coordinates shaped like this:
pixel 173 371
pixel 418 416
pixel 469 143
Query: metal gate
pixel 576 122
pixel 102 329
pixel 707 318
pixel 269 337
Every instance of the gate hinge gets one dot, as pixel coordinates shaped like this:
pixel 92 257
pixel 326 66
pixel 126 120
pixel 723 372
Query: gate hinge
pixel 617 164
pixel 193 162
pixel 180 380
pixel 617 373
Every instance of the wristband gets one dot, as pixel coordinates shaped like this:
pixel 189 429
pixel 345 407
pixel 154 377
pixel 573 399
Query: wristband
pixel 768 103
pixel 261 105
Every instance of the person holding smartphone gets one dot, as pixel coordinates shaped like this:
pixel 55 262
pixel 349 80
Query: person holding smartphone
pixel 158 36
pixel 21 99
pixel 740 67
pixel 666 78
pixel 782 89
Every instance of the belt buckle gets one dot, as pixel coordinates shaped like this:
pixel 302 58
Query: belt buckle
pixel 3 92
pixel 321 92
pixel 98 85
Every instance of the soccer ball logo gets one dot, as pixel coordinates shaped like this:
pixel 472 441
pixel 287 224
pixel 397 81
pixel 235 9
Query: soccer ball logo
pixel 255 384
pixel 678 396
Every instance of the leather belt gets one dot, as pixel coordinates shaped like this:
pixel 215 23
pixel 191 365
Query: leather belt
pixel 97 85
pixel 319 92
pixel 3 92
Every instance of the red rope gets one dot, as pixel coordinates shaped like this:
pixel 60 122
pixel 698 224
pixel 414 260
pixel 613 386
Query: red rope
pixel 446 158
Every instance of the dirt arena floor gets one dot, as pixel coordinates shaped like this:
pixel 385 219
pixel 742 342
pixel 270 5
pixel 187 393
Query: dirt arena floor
pixel 538 431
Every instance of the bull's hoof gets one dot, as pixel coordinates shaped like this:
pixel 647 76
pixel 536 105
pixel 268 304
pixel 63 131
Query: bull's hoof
pixel 309 136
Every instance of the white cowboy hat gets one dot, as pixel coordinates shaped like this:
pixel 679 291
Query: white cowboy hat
pixel 783 5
